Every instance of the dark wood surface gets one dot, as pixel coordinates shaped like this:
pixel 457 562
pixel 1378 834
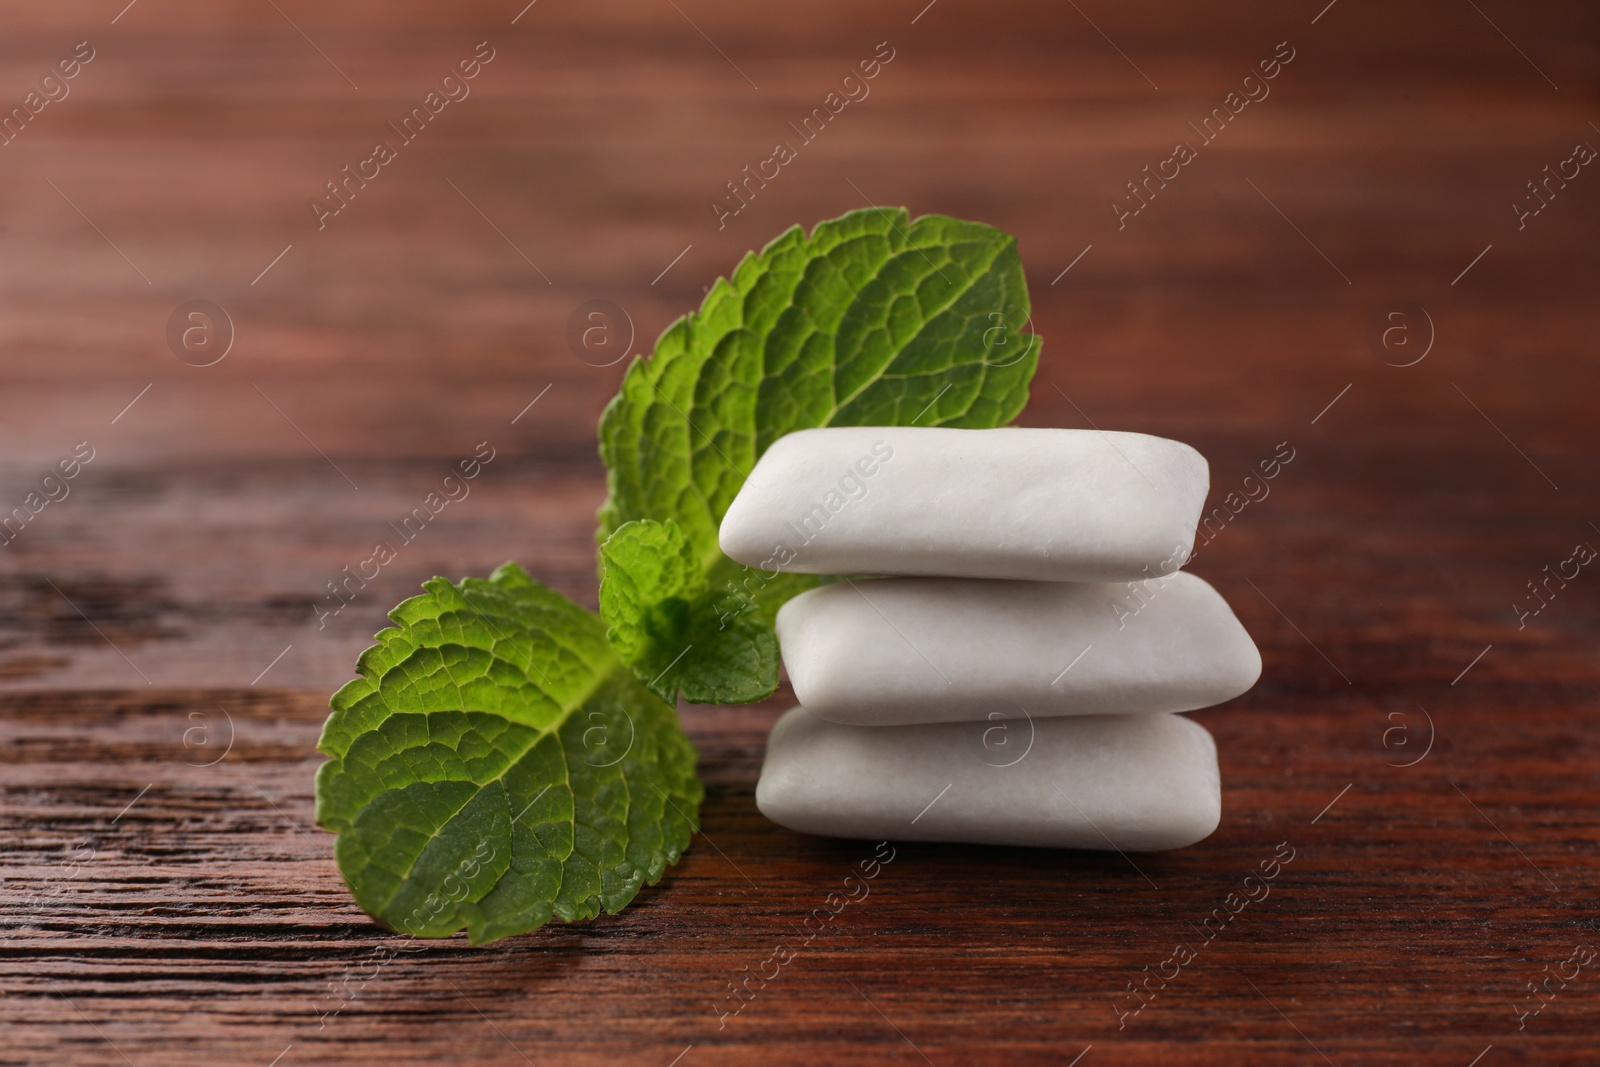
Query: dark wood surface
pixel 166 896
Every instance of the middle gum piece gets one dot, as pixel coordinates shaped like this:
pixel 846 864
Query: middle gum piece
pixel 895 651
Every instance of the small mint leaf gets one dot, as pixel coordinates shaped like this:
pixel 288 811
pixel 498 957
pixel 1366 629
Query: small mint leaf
pixel 655 597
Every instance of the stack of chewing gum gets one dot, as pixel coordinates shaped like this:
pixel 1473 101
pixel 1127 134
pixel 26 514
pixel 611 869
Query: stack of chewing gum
pixel 1019 677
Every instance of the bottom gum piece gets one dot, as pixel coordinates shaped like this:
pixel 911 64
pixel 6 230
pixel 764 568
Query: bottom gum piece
pixel 1137 783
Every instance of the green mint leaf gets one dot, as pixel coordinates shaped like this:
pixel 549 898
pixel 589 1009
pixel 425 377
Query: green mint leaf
pixel 495 765
pixel 873 320
pixel 655 596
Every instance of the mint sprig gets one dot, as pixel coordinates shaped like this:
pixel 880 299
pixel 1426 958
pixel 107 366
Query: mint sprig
pixel 506 757
pixel 873 320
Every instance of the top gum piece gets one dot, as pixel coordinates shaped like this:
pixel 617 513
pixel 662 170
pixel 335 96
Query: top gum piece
pixel 1036 504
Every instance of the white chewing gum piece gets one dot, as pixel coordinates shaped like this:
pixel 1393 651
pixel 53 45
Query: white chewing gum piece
pixel 1042 504
pixel 894 651
pixel 1137 783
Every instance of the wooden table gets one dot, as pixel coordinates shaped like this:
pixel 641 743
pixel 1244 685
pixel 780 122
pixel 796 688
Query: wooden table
pixel 1427 756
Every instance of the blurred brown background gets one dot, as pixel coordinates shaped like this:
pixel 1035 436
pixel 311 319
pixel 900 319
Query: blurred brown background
pixel 172 589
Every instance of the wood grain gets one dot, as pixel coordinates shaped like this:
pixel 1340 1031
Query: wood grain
pixel 166 895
